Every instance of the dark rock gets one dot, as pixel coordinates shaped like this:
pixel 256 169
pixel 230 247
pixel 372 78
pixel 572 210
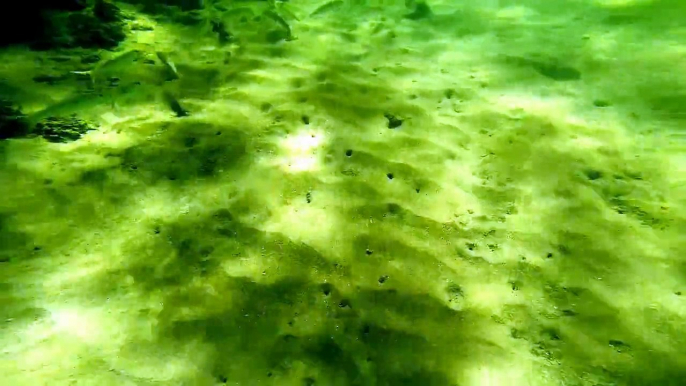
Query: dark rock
pixel 593 174
pixel 421 11
pixel 601 103
pixel 156 6
pixel 13 122
pixel 59 129
pixel 327 288
pixel 106 11
pixel 87 31
pixel 349 153
pixel 393 121
pixel 619 345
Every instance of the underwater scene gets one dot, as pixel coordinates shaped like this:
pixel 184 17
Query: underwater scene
pixel 344 192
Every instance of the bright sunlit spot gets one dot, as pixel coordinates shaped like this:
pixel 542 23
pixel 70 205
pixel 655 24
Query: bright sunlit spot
pixel 300 152
pixel 75 322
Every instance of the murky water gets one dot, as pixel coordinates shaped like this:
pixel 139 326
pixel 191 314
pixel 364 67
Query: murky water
pixel 345 193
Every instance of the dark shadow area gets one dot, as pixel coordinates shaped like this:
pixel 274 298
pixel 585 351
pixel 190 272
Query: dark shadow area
pixel 185 151
pixel 44 24
pixel 12 241
pixel 354 341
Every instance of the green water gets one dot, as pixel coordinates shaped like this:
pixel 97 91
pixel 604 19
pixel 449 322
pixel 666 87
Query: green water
pixel 350 193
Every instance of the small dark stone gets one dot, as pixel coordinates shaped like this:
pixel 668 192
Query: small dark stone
pixel 393 121
pixel 327 288
pixel 383 279
pixel 618 345
pixel 592 174
pixel 368 252
pixel 348 152
pixel 305 119
pixel 601 103
pixel 37 248
pixel 549 255
pixel 390 176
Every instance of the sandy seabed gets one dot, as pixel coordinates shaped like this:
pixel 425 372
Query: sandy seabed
pixel 491 195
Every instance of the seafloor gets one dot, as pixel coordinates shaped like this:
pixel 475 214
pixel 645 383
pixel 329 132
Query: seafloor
pixel 475 193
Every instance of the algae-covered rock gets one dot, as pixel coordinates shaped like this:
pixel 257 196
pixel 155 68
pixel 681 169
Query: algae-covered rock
pixel 100 27
pixel 46 25
pixel 60 129
pixel 13 122
pixel 156 6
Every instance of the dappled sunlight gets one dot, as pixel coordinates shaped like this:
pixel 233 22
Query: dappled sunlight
pixel 342 193
pixel 301 151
